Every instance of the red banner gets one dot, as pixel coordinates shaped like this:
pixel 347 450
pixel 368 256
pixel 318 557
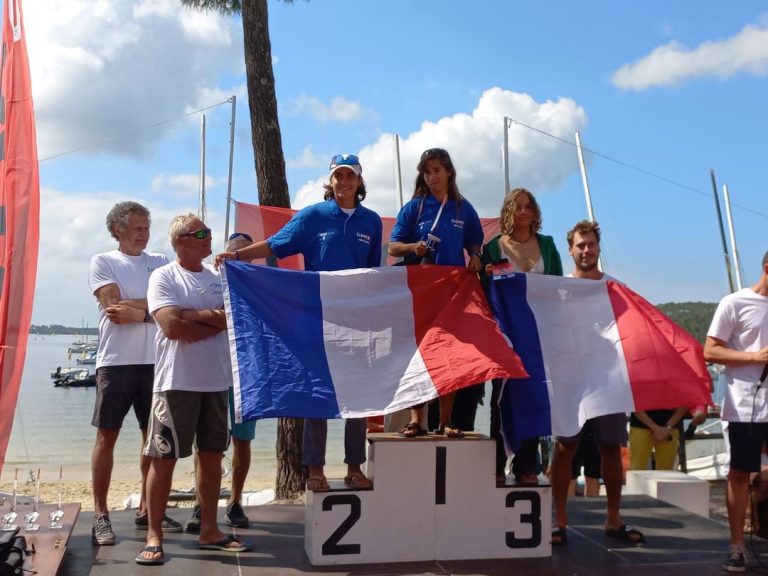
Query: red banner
pixel 19 213
pixel 261 222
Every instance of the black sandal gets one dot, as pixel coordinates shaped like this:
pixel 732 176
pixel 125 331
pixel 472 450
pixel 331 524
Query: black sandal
pixel 413 430
pixel 455 431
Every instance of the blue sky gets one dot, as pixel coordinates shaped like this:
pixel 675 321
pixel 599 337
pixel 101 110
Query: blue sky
pixel 672 89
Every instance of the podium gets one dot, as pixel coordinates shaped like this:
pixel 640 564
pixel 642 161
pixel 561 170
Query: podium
pixel 433 498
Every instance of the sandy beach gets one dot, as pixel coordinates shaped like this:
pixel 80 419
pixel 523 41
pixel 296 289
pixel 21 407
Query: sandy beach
pixel 76 485
pixel 80 491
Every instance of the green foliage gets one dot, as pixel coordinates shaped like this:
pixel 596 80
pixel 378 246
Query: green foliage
pixel 222 6
pixel 695 317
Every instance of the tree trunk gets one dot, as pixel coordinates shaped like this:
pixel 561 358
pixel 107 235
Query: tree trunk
pixel 290 473
pixel 272 191
pixel 265 127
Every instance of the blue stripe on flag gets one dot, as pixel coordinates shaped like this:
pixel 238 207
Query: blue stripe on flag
pixel 525 410
pixel 277 318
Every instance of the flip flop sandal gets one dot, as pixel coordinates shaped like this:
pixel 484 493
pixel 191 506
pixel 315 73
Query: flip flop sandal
pixel 151 561
pixel 317 484
pixel 358 481
pixel 413 430
pixel 559 536
pixel 450 431
pixel 224 545
pixel 626 533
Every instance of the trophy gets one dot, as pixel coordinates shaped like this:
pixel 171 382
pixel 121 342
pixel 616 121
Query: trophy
pixel 57 515
pixel 9 518
pixel 32 517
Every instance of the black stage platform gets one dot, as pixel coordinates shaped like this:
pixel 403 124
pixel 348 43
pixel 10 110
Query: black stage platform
pixel 678 543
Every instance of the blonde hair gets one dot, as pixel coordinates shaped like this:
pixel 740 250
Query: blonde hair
pixel 180 225
pixel 507 219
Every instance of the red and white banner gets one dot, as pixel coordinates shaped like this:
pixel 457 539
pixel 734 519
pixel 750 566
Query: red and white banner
pixel 19 213
pixel 261 222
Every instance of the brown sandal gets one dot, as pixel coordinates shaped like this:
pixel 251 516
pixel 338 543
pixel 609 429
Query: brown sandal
pixel 358 481
pixel 317 484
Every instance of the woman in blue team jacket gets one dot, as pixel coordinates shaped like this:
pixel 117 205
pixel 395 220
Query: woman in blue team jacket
pixel 415 238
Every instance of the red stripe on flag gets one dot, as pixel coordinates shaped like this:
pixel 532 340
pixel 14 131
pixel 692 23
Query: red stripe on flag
pixel 665 363
pixel 20 202
pixel 459 340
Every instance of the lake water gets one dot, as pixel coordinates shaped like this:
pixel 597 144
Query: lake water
pixel 52 428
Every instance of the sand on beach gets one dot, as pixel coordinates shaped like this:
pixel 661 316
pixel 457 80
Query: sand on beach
pixel 80 491
pixel 76 485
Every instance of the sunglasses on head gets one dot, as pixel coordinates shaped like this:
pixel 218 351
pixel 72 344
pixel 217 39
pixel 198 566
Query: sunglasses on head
pixel 344 160
pixel 201 234
pixel 435 152
pixel 242 235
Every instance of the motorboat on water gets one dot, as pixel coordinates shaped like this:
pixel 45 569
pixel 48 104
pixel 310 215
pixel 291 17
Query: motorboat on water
pixel 75 378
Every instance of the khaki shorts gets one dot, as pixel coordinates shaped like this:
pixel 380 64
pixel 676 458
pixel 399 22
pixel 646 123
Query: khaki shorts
pixel 180 418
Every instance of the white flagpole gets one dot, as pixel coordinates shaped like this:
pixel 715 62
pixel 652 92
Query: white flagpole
pixel 201 207
pixel 398 172
pixel 505 155
pixel 732 234
pixel 585 183
pixel 231 160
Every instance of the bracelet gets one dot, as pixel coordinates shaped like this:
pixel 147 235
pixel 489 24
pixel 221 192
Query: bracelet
pixel 148 317
pixel 237 254
pixel 478 254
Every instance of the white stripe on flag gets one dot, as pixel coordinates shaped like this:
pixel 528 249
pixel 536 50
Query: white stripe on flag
pixel 586 369
pixel 370 344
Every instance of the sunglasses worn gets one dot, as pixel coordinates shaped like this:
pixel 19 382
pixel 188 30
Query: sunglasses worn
pixel 201 234
pixel 242 235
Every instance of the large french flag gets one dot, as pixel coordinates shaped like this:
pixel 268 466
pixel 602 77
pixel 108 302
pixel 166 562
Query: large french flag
pixel 357 343
pixel 591 348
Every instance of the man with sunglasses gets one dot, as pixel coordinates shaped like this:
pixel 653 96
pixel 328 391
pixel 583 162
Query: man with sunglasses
pixel 126 354
pixel 192 380
pixel 242 436
pixel 336 234
pixel 738 338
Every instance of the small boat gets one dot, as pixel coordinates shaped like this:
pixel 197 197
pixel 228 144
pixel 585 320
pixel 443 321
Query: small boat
pixel 78 378
pixel 60 372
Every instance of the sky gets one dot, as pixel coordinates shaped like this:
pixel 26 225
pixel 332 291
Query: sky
pixel 660 92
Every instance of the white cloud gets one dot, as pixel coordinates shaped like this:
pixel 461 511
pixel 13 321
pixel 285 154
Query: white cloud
pixel 537 162
pixel 673 63
pixel 339 109
pixel 183 186
pixel 308 159
pixel 102 70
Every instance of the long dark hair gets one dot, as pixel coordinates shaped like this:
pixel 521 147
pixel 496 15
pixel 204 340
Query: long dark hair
pixel 421 190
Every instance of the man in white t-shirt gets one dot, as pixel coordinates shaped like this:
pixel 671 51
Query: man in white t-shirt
pixel 609 431
pixel 738 338
pixel 126 353
pixel 192 379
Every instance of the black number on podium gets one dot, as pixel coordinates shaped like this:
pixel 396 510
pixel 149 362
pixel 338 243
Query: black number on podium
pixel 532 518
pixel 331 547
